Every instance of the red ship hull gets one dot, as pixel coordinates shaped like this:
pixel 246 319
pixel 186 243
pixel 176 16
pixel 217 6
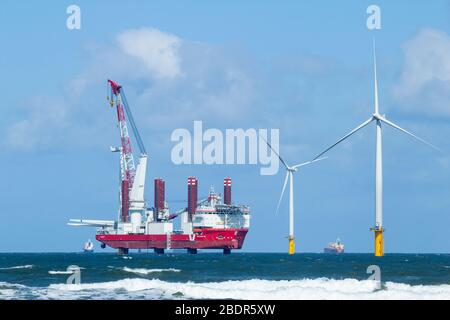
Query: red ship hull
pixel 201 239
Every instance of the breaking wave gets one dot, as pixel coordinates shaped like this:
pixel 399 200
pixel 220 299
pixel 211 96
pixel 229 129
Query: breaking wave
pixel 9 290
pixel 148 271
pixel 321 288
pixel 59 272
pixel 28 266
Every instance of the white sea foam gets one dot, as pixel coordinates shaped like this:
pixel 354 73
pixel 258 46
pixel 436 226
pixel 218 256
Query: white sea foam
pixel 10 291
pixel 321 288
pixel 148 271
pixel 59 272
pixel 7 293
pixel 11 285
pixel 247 289
pixel 28 266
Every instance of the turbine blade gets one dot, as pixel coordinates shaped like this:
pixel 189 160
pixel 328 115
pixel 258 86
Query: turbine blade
pixel 282 191
pixel 307 163
pixel 383 119
pixel 279 157
pixel 362 125
pixel 375 77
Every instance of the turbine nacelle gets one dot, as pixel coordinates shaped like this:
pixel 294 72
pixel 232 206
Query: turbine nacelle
pixel 377 116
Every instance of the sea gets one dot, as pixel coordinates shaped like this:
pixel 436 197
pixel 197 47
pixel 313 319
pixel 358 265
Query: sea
pixel 176 275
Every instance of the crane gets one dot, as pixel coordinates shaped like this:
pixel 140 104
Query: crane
pixel 132 177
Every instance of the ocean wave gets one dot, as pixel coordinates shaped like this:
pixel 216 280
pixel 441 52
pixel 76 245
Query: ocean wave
pixel 7 293
pixel 7 285
pixel 10 290
pixel 148 271
pixel 59 272
pixel 28 266
pixel 307 289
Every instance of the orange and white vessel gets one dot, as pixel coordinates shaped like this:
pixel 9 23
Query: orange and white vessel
pixel 210 223
pixel 334 247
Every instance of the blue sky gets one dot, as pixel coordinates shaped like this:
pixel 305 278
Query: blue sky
pixel 304 67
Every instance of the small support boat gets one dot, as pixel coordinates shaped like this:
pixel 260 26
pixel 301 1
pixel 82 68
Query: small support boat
pixel 88 247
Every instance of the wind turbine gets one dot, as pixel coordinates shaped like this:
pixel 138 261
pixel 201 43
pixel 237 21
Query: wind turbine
pixel 290 176
pixel 378 119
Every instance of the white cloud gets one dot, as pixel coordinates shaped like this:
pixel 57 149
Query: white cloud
pixel 158 50
pixel 44 117
pixel 169 83
pixel 424 84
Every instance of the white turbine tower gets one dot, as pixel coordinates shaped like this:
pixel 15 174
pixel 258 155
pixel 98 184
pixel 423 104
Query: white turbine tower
pixel 290 176
pixel 379 119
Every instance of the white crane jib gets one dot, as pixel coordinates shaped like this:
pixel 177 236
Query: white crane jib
pixel 90 223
